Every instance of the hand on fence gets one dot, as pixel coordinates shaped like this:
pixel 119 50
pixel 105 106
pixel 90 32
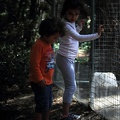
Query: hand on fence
pixel 100 29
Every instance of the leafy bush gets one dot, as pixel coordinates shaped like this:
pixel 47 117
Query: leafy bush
pixel 14 64
pixel 85 46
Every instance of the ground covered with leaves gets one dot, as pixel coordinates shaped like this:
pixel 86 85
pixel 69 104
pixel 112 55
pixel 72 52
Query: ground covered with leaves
pixel 22 106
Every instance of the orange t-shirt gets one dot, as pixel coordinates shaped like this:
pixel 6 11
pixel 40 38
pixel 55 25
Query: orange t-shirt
pixel 41 62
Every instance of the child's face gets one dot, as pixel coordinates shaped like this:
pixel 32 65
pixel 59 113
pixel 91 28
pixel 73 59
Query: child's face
pixel 52 38
pixel 72 15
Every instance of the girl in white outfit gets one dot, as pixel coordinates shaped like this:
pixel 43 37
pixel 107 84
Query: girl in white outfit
pixel 68 50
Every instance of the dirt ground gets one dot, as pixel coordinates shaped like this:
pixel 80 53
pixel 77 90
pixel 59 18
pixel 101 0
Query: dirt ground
pixel 22 106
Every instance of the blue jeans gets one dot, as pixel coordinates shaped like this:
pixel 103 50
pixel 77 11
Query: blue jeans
pixel 66 66
pixel 43 97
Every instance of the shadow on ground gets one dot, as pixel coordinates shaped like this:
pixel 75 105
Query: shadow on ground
pixel 22 107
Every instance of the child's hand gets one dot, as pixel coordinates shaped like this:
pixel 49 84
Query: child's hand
pixel 42 83
pixel 100 30
pixel 81 23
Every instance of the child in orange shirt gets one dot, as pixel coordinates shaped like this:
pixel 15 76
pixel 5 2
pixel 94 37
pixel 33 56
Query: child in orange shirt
pixel 42 66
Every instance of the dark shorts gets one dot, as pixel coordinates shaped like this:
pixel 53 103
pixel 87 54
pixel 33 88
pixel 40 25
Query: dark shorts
pixel 43 97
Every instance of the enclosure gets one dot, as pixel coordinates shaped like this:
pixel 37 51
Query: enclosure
pixel 98 67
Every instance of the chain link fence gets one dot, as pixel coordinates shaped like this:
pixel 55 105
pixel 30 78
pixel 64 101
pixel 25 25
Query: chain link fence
pixel 105 90
pixel 98 79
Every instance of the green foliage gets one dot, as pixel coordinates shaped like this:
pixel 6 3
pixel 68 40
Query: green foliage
pixel 85 46
pixel 19 29
pixel 56 46
pixel 82 60
pixel 14 60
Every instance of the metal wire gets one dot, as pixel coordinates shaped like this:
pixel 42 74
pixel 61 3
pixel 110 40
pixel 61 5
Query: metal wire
pixel 103 96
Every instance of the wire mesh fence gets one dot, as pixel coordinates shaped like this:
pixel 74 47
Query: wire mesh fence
pixel 105 90
pixel 98 83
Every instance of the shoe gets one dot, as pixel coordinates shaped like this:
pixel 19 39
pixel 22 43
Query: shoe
pixel 71 117
pixel 74 117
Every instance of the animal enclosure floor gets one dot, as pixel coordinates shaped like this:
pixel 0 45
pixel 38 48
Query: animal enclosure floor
pixel 22 107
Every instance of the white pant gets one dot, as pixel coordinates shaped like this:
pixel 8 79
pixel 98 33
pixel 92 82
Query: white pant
pixel 66 66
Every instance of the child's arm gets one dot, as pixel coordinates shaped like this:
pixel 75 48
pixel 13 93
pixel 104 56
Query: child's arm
pixel 35 59
pixel 80 25
pixel 82 38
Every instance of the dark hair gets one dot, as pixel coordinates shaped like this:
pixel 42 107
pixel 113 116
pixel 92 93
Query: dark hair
pixel 50 26
pixel 74 4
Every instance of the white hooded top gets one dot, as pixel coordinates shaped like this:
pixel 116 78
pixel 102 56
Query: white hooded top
pixel 69 43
